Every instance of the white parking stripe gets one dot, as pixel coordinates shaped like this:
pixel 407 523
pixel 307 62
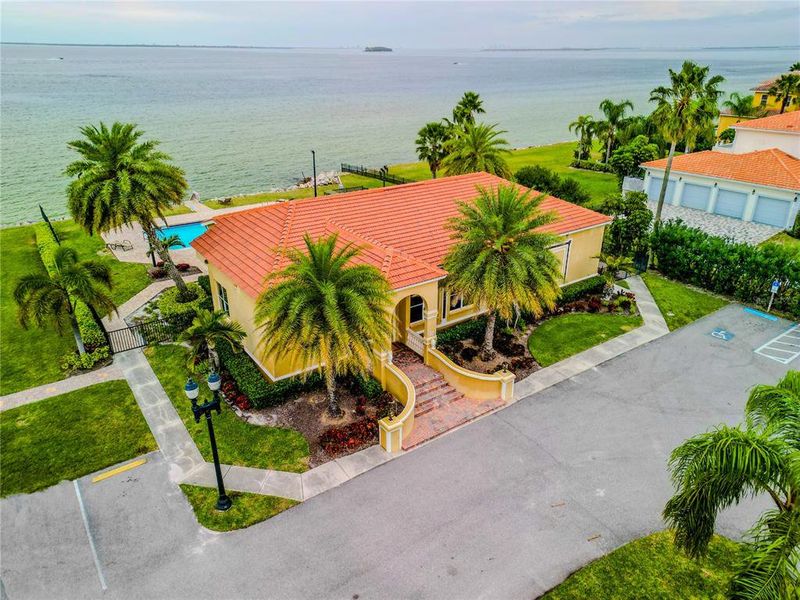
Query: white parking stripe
pixel 85 518
pixel 787 338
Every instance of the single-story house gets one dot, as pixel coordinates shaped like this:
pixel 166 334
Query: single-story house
pixel 402 231
pixel 755 179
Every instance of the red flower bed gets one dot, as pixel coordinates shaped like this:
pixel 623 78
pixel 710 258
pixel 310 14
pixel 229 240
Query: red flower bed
pixel 232 393
pixel 182 267
pixel 347 438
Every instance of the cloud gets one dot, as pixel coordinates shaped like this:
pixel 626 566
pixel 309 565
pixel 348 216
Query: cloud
pixel 130 11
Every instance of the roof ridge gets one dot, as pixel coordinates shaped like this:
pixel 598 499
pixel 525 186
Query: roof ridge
pixel 287 224
pixel 780 156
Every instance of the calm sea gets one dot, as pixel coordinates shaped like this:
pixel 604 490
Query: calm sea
pixel 245 120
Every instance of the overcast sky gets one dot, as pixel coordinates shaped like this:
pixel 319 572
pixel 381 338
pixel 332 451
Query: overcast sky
pixel 407 24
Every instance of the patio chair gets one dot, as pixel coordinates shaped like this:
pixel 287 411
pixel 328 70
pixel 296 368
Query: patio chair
pixel 124 245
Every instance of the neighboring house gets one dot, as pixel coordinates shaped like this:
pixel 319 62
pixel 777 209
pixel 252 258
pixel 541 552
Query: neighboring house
pixel 402 231
pixel 770 103
pixel 756 178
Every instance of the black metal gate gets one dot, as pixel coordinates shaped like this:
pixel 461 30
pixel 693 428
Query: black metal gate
pixel 139 335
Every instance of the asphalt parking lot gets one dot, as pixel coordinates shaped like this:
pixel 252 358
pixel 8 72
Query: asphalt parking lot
pixel 503 508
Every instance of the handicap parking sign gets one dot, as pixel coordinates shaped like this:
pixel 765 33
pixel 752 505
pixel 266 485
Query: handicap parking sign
pixel 722 334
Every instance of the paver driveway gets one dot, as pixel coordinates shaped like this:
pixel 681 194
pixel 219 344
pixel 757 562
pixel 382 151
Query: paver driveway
pixel 504 508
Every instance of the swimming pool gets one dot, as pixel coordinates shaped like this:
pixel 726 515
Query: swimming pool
pixel 186 233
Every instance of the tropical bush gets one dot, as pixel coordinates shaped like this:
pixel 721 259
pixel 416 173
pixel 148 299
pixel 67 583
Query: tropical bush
pixel 91 333
pixel 739 270
pixel 545 180
pixel 795 230
pixel 473 329
pixel 204 281
pixel 581 289
pixel 74 361
pixel 344 439
pixel 180 314
pixel 726 137
pixel 591 165
pixel 626 159
pixel 628 232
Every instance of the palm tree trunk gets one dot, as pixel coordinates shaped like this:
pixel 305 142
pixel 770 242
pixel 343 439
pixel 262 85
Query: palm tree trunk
pixel 608 146
pixel 334 410
pixel 163 254
pixel 661 195
pixel 76 332
pixel 487 347
pixel 214 357
pixel 784 103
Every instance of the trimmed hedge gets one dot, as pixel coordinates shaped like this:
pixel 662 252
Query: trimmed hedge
pixel 591 165
pixel 204 281
pixel 580 289
pixel 473 329
pixel 739 270
pixel 91 333
pixel 180 314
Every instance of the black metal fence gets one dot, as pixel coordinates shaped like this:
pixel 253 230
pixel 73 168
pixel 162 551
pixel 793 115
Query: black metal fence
pixel 381 174
pixel 344 190
pixel 139 335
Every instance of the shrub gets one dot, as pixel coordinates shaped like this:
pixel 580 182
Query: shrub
pixel 251 381
pixel 739 270
pixel 156 272
pixel 572 191
pixel 182 267
pixel 626 159
pixel 594 304
pixel 367 385
pixel 547 181
pixel 160 264
pixel 205 282
pixel 92 335
pixel 629 231
pixel 581 289
pixel 468 353
pixel 73 361
pixel 180 314
pixel 795 230
pixel 473 329
pixel 591 165
pixel 347 438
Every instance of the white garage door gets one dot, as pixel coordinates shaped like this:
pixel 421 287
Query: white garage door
pixel 695 196
pixel 655 189
pixel 730 203
pixel 772 211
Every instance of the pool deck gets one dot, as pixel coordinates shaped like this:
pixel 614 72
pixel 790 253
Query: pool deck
pixel 134 234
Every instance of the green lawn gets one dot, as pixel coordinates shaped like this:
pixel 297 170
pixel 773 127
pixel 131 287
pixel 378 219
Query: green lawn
pixel 652 568
pixel 239 443
pixel 348 180
pixel 554 156
pixel 128 278
pixel 679 303
pixel 71 435
pixel 29 357
pixel 565 335
pixel 248 509
pixel 784 239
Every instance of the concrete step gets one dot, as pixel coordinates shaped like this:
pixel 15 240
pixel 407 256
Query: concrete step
pixel 435 402
pixel 442 419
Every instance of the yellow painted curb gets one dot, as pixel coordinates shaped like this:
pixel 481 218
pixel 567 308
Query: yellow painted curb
pixel 122 469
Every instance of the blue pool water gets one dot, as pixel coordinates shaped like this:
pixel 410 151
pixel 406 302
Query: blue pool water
pixel 186 232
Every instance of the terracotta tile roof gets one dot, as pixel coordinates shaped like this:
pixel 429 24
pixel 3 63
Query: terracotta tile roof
pixel 401 229
pixel 765 85
pixel 788 121
pixel 770 167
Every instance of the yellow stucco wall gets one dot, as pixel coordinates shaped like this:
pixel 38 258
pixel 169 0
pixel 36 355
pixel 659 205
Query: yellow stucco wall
pixel 578 248
pixel 725 121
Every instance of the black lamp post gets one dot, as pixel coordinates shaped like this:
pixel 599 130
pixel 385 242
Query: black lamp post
pixel 192 391
pixel 314 170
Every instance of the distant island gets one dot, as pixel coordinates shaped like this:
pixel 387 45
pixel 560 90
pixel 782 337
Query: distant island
pixel 377 49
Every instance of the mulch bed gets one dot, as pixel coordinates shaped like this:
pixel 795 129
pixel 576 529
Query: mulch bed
pixel 308 415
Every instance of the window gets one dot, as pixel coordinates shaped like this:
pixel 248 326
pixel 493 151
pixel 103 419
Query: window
pixel 222 295
pixel 456 301
pixel 764 98
pixel 417 308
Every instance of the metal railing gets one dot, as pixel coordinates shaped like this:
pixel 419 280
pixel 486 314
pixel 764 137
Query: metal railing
pixel 139 335
pixel 381 174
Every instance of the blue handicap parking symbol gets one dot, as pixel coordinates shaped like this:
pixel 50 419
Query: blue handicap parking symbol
pixel 722 334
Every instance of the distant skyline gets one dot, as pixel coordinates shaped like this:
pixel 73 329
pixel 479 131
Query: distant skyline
pixel 412 25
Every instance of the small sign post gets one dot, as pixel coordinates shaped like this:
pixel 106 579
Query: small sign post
pixel 776 285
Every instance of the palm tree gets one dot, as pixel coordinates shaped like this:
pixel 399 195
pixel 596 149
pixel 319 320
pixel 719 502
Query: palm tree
pixel 326 311
pixel 431 141
pixel 615 117
pixel 584 127
pixel 467 109
pixel 208 329
pixel 684 109
pixel 119 180
pixel 795 67
pixel 475 148
pixel 785 87
pixel 165 244
pixel 501 259
pixel 715 470
pixel 613 265
pixel 45 299
pixel 742 106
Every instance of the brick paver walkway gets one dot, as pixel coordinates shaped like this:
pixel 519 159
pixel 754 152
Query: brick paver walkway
pixel 439 406
pixel 736 229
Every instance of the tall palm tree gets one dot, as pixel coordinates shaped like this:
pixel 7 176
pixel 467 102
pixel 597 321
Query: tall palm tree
pixel 118 180
pixel 208 329
pixel 475 148
pixel 326 311
pixel 795 67
pixel 51 299
pixel 742 106
pixel 584 128
pixel 683 110
pixel 615 117
pixel 715 470
pixel 785 87
pixel 501 258
pixel 467 109
pixel 431 141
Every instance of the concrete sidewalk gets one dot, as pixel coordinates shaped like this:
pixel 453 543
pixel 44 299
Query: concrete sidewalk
pixel 654 327
pixel 116 320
